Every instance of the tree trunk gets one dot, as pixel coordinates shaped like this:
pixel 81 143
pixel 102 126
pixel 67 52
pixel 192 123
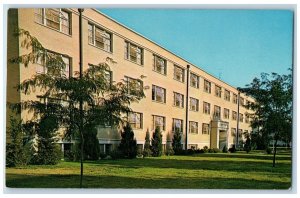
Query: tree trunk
pixel 274 154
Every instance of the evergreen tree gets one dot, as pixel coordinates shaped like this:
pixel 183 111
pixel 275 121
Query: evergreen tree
pixel 147 148
pixel 48 152
pixel 247 145
pixel 169 148
pixel 176 143
pixel 19 149
pixel 156 143
pixel 128 146
pixel 91 147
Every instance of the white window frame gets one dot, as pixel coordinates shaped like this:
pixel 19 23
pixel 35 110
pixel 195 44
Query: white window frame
pixel 193 130
pixel 206 106
pixel 107 40
pixel 194 107
pixel 181 103
pixel 162 122
pixel 138 50
pixel 135 124
pixel 157 59
pixel 205 126
pixel 194 78
pixel 180 71
pixel 154 93
pixel 61 17
pixel 175 121
pixel 207 86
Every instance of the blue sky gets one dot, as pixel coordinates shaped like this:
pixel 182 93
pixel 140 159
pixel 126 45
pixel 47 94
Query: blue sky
pixel 233 45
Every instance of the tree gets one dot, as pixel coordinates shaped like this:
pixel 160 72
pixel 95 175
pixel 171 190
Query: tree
pixel 156 143
pixel 176 143
pixel 147 147
pixel 247 145
pixel 91 149
pixel 128 146
pixel 272 116
pixel 169 148
pixel 18 150
pixel 103 100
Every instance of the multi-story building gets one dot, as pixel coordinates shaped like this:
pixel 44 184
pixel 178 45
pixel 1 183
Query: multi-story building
pixel 180 95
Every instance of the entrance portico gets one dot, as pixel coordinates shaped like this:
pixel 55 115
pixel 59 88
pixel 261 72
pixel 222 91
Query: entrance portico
pixel 219 134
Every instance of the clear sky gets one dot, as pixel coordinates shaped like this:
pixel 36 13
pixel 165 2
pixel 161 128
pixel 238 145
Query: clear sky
pixel 233 45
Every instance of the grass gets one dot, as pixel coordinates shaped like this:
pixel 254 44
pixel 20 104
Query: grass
pixel 200 171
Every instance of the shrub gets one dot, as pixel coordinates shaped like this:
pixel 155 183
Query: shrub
pixel 216 150
pixel 232 149
pixel 169 148
pixel 115 154
pixel 147 148
pixel 210 150
pixel 128 146
pixel 91 147
pixel 156 143
pixel 176 142
pixel 269 150
pixel 205 149
pixel 247 145
pixel 225 150
pixel 103 155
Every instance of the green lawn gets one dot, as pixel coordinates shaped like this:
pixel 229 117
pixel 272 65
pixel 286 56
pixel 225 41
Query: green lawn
pixel 201 171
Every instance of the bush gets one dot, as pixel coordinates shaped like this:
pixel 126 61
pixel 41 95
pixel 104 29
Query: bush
pixel 156 143
pixel 247 145
pixel 205 149
pixel 169 148
pixel 232 149
pixel 103 155
pixel 147 148
pixel 225 150
pixel 210 150
pixel 176 142
pixel 115 154
pixel 269 150
pixel 216 150
pixel 128 146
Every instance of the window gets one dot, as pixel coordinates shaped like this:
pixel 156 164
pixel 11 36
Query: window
pixel 234 115
pixel 206 108
pixel 207 86
pixel 107 74
pixel 241 117
pixel 158 121
pixel 178 73
pixel 160 65
pixel 177 125
pixel 133 53
pixel 240 133
pixel 226 113
pixel 205 128
pixel 242 101
pixel 134 86
pixel 217 112
pixel 233 131
pixel 42 62
pixel 135 120
pixel 194 104
pixel 234 99
pixel 99 37
pixel 247 118
pixel 178 100
pixel 193 127
pixel 194 80
pixel 227 95
pixel 218 91
pixel 158 94
pixel 58 19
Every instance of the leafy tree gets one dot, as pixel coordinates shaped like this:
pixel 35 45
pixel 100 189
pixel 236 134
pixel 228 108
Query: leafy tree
pixel 176 143
pixel 272 116
pixel 128 146
pixel 169 148
pixel 83 100
pixel 156 143
pixel 147 147
pixel 19 149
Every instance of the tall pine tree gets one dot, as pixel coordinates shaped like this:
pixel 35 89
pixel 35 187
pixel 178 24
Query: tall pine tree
pixel 176 143
pixel 156 143
pixel 147 147
pixel 128 146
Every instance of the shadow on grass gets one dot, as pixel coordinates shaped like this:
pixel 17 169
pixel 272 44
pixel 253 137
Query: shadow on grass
pixel 197 182
pixel 201 164
pixel 245 156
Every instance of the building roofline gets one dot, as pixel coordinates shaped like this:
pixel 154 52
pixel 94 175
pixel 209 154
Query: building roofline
pixel 194 65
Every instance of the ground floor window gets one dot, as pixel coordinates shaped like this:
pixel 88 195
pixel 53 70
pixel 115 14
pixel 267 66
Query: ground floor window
pixel 192 146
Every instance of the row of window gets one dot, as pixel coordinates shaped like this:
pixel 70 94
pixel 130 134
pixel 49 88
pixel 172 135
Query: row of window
pixel 136 121
pixel 60 19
